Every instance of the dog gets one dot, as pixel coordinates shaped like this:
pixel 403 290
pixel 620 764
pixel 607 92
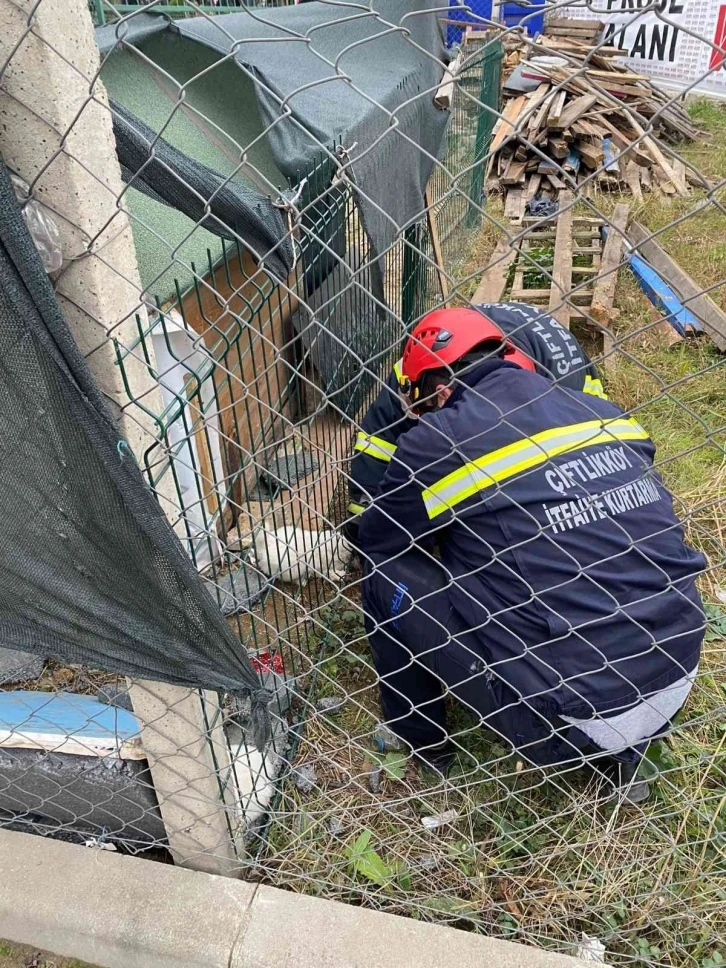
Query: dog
pixel 295 555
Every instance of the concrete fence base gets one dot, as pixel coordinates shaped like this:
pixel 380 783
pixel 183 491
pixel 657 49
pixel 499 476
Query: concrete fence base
pixel 124 912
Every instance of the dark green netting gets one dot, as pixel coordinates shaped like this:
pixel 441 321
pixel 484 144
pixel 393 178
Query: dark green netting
pixel 90 570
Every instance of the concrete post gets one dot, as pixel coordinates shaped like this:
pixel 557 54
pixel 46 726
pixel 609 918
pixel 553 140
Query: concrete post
pixel 55 132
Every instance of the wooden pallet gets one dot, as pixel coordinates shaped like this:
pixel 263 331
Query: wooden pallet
pixel 569 248
pixel 576 252
pixel 573 29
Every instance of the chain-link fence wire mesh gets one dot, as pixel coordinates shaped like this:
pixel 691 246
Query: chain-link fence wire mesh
pixel 243 393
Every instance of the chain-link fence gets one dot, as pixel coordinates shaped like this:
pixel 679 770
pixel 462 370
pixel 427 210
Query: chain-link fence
pixel 479 630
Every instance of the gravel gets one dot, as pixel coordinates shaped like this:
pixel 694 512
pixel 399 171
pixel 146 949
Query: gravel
pixel 330 704
pixel 304 777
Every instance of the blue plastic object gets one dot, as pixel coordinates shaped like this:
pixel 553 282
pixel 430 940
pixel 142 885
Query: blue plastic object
pixel 61 720
pixel 529 15
pixel 478 8
pixel 573 161
pixel 663 297
pixel 660 293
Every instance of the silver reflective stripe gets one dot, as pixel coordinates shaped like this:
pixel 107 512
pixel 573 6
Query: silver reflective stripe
pixel 594 387
pixel 522 455
pixel 374 446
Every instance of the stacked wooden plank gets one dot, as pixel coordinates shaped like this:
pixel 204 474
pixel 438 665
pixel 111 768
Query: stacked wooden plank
pixel 591 124
pixel 570 28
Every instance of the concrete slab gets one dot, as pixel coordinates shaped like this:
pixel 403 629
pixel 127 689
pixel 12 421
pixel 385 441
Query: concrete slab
pixel 116 911
pixel 123 912
pixel 285 930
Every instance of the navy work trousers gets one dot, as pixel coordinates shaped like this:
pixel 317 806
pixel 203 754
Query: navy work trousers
pixel 422 650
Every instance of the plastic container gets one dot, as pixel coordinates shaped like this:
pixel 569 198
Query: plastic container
pixel 529 15
pixel 477 8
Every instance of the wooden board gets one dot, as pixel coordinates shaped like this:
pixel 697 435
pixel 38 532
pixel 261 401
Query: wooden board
pixel 624 144
pixel 538 107
pixel 436 245
pixel 613 75
pixel 576 108
pixel 632 177
pixel 562 269
pixel 555 181
pixel 680 169
pixel 513 173
pixel 532 188
pixel 257 364
pixel 507 122
pixel 557 106
pixel 573 23
pixel 494 279
pixel 603 297
pixel 709 315
pixel 62 722
pixel 558 148
pixel 515 205
pixel 591 156
pixel 659 158
pixel 576 31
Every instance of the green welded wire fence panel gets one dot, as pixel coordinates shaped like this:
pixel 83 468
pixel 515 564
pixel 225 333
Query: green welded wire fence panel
pixel 98 12
pixel 456 185
pixel 489 98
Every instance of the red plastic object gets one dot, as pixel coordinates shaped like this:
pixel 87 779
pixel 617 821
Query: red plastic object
pixel 266 662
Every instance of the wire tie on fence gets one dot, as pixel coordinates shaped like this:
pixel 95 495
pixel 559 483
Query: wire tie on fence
pixel 344 155
pixel 122 446
pixel 290 209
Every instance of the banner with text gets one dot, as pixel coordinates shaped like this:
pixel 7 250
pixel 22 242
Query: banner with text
pixel 680 42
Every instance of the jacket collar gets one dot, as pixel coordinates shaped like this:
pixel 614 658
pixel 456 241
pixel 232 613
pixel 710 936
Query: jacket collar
pixel 479 373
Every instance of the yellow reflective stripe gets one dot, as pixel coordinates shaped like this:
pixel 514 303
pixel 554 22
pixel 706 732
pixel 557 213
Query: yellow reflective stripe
pixel 356 508
pixel 520 456
pixel 595 387
pixel 398 370
pixel 374 446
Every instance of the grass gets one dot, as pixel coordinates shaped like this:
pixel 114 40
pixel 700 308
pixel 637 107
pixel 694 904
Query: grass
pixel 532 857
pixel 23 956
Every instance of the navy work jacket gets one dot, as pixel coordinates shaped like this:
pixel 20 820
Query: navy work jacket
pixel 554 350
pixel 565 556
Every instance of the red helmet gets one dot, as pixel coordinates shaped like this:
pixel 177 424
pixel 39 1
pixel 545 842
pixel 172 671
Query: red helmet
pixel 445 336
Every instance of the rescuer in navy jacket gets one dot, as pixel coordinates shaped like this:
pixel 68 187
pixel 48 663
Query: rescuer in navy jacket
pixel 553 349
pixel 522 552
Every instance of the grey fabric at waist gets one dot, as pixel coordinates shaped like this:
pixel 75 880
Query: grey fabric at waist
pixel 639 722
